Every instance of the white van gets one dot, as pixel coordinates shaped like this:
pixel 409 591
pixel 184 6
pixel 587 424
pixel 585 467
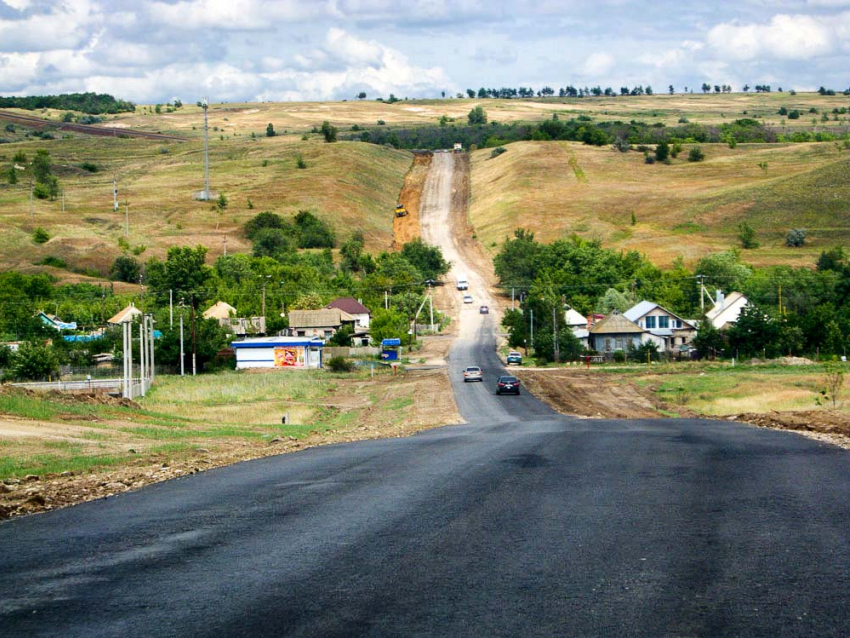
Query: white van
pixel 462 283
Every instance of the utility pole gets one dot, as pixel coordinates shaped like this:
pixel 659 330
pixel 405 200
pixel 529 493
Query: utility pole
pixel 114 194
pixel 555 332
pixel 63 201
pixel 194 341
pixel 126 218
pixel 431 306
pixel 182 355
pixel 386 301
pixel 512 298
pixel 225 246
pixel 531 310
pixel 32 190
pixel 264 298
pixel 205 105
pixel 142 348
pixel 780 300
pixel 153 368
pixel 701 279
pixel 170 308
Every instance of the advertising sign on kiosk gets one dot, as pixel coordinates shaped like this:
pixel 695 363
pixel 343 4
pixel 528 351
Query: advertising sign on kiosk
pixel 390 349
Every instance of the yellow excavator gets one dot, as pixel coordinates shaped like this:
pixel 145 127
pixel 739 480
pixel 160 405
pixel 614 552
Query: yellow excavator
pixel 400 211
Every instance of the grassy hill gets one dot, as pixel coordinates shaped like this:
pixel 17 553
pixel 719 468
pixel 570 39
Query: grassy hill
pixel 689 209
pixel 350 184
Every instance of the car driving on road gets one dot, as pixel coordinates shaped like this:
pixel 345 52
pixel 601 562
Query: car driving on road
pixel 484 310
pixel 514 358
pixel 467 299
pixel 507 385
pixel 472 373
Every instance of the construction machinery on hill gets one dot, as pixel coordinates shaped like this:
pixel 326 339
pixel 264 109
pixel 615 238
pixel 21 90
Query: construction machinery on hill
pixel 400 211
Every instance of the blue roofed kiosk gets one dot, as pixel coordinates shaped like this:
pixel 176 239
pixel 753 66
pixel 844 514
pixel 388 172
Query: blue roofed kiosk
pixel 390 350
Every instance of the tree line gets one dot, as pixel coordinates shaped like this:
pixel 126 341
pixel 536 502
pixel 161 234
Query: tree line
pixel 91 103
pixel 793 311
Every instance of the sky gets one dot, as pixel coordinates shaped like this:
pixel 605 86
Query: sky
pixel 287 50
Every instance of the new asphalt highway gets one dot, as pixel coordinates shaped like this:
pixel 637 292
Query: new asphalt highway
pixel 521 522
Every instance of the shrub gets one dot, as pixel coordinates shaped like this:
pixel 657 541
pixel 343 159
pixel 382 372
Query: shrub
pixel 50 260
pixel 619 356
pixel 139 249
pixel 340 364
pixel 477 116
pixel 328 131
pixel 649 159
pixel 264 163
pixel 381 123
pixel 795 237
pixel 662 151
pixel 696 154
pixel 270 130
pixel 498 151
pixel 747 236
pixel 622 145
pixel 125 269
pixel 300 163
pixel 40 236
pixel 35 362
pixel 88 166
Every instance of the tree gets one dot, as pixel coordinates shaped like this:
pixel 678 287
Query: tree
pixel 126 269
pixel 389 324
pixel 662 151
pixel 612 300
pixel 709 341
pixel 754 334
pixel 183 271
pixel 832 259
pixel 747 236
pixel 746 88
pixel 833 381
pixel 361 95
pixel 328 131
pixel 696 154
pixel 13 174
pixel 270 130
pixel 671 90
pixel 40 236
pixel 46 185
pixel 470 93
pixel 210 338
pixel 342 337
pixel 308 301
pixel 221 203
pixel 795 237
pixel 427 259
pixel 34 361
pixel 477 116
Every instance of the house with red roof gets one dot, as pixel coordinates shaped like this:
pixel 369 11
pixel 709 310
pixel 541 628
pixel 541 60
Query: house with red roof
pixel 353 307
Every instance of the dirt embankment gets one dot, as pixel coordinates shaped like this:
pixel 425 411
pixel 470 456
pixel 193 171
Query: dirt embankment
pixel 407 228
pixel 831 426
pixel 578 393
pixel 384 406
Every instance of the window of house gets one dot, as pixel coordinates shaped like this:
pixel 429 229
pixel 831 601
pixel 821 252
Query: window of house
pixel 607 344
pixel 650 322
pixel 301 333
pixel 329 334
pixel 677 323
pixel 663 322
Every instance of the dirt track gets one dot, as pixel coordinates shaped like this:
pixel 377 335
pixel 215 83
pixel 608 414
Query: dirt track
pixel 407 228
pixel 40 123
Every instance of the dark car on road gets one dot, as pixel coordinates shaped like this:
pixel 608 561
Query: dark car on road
pixel 507 385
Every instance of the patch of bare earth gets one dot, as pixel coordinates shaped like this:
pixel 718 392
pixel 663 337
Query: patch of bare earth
pixel 385 406
pixel 406 228
pixel 578 393
pixel 830 426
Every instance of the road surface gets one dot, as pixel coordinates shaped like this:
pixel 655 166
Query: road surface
pixel 519 523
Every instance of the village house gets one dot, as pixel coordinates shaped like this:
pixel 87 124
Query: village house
pixel 126 315
pixel 669 329
pixel 578 324
pixel 615 332
pixel 353 307
pixel 726 310
pixel 322 324
pixel 225 314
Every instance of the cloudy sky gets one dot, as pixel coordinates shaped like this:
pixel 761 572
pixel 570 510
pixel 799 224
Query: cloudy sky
pixel 152 51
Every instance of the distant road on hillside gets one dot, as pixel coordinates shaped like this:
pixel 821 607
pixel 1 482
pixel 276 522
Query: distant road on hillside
pixel 40 124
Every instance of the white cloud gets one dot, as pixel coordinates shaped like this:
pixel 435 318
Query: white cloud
pixel 18 5
pixel 598 64
pixel 230 15
pixel 785 37
pixel 67 25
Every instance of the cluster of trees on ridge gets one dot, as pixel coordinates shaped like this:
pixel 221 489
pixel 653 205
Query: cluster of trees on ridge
pixel 815 303
pixel 288 277
pixel 92 103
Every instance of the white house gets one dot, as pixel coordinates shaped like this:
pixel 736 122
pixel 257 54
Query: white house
pixel 668 329
pixel 578 324
pixel 726 310
pixel 362 315
pixel 278 352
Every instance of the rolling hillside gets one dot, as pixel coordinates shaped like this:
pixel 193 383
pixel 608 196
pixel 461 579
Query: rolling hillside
pixel 689 209
pixel 352 185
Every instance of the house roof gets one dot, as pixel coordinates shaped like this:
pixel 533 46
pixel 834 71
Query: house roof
pixel 645 307
pixel 615 323
pixel 271 342
pixel 639 310
pixel 326 317
pixel 732 299
pixel 349 305
pixel 574 318
pixel 126 315
pixel 219 310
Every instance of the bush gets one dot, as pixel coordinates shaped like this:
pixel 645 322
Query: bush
pixel 40 236
pixel 88 166
pixel 498 151
pixel 662 151
pixel 300 163
pixel 747 236
pixel 477 116
pixel 328 131
pixel 35 362
pixel 270 130
pixel 381 123
pixel 649 159
pixel 340 364
pixel 696 154
pixel 795 237
pixel 619 356
pixel 50 260
pixel 126 269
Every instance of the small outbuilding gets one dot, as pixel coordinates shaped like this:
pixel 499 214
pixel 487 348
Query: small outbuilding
pixel 278 352
pixel 126 315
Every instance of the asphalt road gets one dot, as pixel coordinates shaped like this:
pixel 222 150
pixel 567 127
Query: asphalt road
pixel 519 523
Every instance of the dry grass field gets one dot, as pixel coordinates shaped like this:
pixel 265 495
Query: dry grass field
pixel 352 185
pixel 688 209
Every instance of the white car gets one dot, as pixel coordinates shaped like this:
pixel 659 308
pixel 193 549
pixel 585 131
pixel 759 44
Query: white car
pixel 467 299
pixel 472 373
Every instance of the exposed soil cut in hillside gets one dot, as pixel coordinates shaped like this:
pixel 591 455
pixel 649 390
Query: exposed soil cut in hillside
pixel 581 394
pixel 407 228
pixel 826 425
